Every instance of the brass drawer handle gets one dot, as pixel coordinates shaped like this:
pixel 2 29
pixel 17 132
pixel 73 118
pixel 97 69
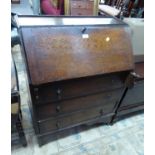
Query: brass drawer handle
pixel 58 125
pixel 36 89
pixel 113 81
pixel 109 96
pixel 79 14
pixel 83 30
pixel 101 112
pixel 59 91
pixel 37 97
pixel 58 108
pixel 36 93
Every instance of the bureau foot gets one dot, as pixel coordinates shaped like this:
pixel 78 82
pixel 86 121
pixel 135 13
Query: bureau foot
pixel 44 139
pixel 48 137
pixel 40 142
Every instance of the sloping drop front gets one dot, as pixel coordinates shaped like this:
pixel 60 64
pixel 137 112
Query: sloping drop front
pixel 59 53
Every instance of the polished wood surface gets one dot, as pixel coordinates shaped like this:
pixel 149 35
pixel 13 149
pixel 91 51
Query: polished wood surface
pixel 61 53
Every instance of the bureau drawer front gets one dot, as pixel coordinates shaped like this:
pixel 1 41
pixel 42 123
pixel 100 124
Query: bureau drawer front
pixel 74 119
pixel 134 96
pixel 76 88
pixel 90 85
pixel 45 93
pixel 73 105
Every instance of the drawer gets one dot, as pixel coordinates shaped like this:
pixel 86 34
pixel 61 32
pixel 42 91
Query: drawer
pixel 78 4
pixel 134 95
pixel 44 93
pixel 74 119
pixel 73 105
pixel 76 88
pixel 89 5
pixel 81 12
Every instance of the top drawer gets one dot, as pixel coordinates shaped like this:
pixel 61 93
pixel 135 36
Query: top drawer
pixel 78 4
pixel 75 88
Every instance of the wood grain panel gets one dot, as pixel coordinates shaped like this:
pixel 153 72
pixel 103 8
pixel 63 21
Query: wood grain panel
pixel 59 53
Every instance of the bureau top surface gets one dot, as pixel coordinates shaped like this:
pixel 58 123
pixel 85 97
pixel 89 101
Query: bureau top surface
pixel 55 53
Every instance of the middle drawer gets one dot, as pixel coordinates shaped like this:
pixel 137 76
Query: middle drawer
pixel 80 117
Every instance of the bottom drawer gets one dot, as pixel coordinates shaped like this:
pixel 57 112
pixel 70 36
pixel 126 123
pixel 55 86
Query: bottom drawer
pixel 74 119
pixel 52 136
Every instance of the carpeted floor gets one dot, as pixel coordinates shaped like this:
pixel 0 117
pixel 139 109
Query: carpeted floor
pixel 123 138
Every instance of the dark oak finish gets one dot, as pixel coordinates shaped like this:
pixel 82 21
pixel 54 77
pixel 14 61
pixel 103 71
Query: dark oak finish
pixel 69 55
pixel 77 72
pixel 79 117
pixel 73 105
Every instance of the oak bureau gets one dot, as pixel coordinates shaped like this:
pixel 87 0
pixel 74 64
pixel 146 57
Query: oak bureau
pixel 78 69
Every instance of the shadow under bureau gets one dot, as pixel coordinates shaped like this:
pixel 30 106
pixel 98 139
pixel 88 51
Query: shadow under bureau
pixel 78 69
